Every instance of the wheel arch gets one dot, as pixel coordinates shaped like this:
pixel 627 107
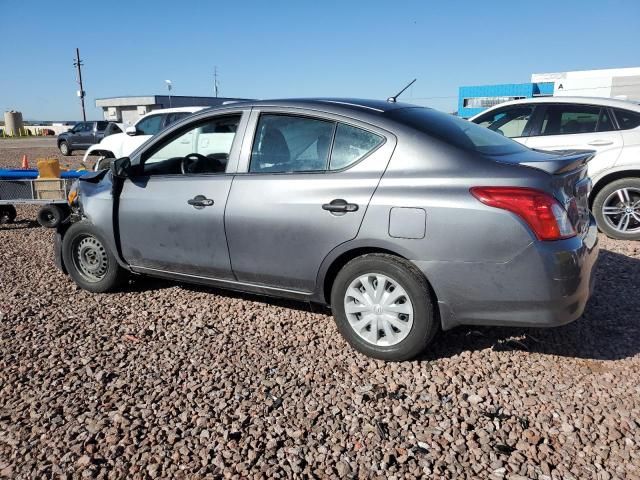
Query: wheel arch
pixel 611 177
pixel 334 263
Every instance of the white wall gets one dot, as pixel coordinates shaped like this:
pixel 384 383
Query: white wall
pixel 586 83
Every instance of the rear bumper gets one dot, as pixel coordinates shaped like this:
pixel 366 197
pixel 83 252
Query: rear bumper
pixel 548 284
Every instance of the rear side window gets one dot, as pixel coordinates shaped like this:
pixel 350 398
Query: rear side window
pixel 286 143
pixel 456 131
pixel 509 122
pixel 351 144
pixel 570 119
pixel 102 125
pixel 626 119
pixel 174 117
pixel 149 125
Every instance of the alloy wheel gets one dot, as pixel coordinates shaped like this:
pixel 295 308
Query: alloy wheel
pixel 621 210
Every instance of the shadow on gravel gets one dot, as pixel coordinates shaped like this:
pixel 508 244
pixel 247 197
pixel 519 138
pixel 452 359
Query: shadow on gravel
pixel 143 284
pixel 20 225
pixel 608 330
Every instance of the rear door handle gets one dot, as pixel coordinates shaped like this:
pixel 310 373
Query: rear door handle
pixel 600 143
pixel 200 201
pixel 340 206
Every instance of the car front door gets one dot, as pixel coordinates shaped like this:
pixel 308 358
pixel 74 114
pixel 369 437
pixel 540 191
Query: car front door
pixel 171 210
pixel 566 126
pixel 308 181
pixel 81 134
pixel 76 137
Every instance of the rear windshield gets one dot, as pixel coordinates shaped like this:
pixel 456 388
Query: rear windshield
pixel 456 131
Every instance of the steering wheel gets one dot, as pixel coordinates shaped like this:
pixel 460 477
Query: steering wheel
pixel 189 161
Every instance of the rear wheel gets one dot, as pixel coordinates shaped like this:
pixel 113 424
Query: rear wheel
pixel 7 214
pixel 64 148
pixel 617 209
pixel 88 260
pixel 383 308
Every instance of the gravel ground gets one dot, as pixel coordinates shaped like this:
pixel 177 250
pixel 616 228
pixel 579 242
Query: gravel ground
pixel 172 381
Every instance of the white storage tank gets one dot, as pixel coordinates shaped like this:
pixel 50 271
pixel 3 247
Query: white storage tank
pixel 13 123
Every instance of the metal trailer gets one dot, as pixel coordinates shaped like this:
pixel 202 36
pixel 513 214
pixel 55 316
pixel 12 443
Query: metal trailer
pixel 50 193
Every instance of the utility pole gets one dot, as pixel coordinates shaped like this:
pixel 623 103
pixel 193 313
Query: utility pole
pixel 215 80
pixel 78 65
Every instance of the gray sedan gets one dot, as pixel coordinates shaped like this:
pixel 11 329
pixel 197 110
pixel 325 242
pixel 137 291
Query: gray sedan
pixel 403 219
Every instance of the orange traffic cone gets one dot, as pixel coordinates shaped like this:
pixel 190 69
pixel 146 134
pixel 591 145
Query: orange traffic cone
pixel 25 162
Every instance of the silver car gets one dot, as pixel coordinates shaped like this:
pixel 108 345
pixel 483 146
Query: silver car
pixel 403 219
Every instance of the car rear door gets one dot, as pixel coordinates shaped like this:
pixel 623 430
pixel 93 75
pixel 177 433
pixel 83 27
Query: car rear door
pixel 566 126
pixel 308 179
pixel 512 121
pixel 171 218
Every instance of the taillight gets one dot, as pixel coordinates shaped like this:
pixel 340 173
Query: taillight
pixel 545 216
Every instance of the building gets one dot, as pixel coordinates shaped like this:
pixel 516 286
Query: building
pixel 622 83
pixel 129 109
pixel 473 100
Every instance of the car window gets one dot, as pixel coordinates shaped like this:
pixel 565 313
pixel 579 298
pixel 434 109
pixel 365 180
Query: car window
pixel 456 131
pixel 508 122
pixel 80 127
pixel 149 125
pixel 174 117
pixel 351 144
pixel 627 119
pixel 604 122
pixel 201 148
pixel 286 143
pixel 570 119
pixel 102 125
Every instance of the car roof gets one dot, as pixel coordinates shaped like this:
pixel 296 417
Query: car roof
pixel 352 107
pixel 177 109
pixel 600 101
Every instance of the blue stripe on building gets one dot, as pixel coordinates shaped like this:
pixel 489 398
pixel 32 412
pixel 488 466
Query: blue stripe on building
pixel 475 99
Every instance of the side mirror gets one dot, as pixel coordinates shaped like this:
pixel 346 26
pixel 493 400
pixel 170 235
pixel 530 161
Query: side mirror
pixel 132 131
pixel 120 167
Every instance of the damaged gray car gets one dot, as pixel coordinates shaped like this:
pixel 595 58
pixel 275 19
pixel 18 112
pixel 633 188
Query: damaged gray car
pixel 402 219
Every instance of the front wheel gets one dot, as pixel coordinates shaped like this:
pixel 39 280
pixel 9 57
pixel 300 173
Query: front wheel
pixel 383 308
pixel 88 260
pixel 50 216
pixel 617 209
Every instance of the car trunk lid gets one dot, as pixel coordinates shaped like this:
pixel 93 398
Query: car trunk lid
pixel 570 182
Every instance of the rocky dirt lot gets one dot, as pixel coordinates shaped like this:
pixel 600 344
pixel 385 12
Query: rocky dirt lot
pixel 172 381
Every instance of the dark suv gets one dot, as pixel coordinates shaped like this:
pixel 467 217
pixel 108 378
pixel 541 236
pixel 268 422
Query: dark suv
pixel 81 136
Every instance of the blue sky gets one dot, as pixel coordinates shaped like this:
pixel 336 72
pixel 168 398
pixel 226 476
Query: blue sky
pixel 275 49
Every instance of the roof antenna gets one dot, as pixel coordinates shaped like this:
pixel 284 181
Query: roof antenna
pixel 393 99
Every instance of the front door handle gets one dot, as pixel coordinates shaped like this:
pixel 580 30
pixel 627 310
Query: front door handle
pixel 340 206
pixel 200 201
pixel 600 143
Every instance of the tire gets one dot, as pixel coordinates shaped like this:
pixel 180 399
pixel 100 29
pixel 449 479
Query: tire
pixel 50 216
pixel 403 338
pixel 7 214
pixel 64 148
pixel 88 260
pixel 617 209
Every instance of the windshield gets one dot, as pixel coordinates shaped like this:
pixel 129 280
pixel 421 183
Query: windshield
pixel 456 131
